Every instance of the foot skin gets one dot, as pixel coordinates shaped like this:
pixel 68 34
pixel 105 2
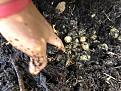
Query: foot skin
pixel 29 32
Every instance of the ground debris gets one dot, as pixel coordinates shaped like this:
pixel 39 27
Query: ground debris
pixel 65 71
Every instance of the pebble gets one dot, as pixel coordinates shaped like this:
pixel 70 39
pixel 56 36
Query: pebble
pixel 61 6
pixel 93 15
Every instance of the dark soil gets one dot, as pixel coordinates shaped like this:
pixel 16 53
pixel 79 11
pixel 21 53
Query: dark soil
pixel 67 71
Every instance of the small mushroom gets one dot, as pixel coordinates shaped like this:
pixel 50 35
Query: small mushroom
pixel 85 46
pixel 82 39
pixel 119 38
pixel 114 32
pixel 103 46
pixel 85 57
pixel 93 37
pixel 68 39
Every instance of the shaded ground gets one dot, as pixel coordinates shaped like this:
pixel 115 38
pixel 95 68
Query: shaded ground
pixel 70 71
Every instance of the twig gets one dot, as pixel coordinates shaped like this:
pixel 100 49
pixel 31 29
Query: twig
pixel 20 80
pixel 109 76
pixel 117 67
pixel 107 17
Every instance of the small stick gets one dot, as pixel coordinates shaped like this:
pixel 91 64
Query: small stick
pixel 109 76
pixel 20 80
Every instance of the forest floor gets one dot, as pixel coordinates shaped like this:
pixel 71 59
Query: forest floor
pixel 91 33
